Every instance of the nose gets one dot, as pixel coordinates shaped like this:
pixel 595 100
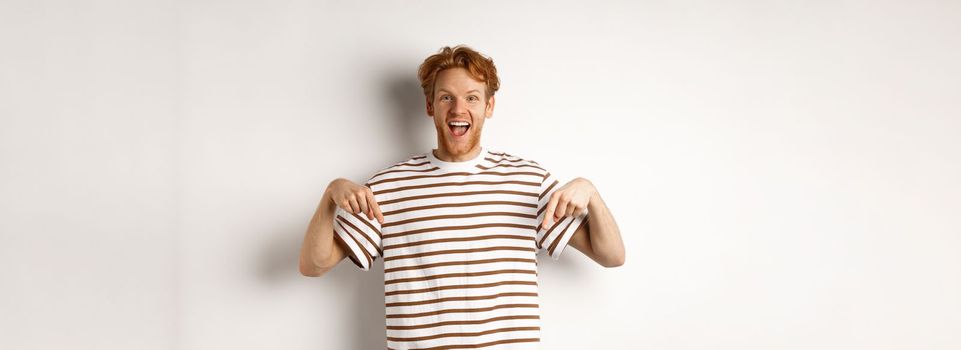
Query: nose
pixel 459 107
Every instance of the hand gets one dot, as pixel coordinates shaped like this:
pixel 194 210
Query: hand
pixel 569 200
pixel 354 198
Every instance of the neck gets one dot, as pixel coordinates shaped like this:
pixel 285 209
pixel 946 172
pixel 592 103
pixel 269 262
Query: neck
pixel 445 154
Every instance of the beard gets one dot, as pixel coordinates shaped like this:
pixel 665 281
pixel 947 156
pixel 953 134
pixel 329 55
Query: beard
pixel 463 145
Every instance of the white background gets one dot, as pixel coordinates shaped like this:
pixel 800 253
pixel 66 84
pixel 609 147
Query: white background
pixel 785 174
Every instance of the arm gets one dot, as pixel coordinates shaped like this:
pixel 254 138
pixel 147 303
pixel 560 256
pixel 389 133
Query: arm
pixel 600 238
pixel 319 252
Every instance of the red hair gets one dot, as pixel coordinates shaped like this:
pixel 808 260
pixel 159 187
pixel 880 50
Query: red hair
pixel 478 66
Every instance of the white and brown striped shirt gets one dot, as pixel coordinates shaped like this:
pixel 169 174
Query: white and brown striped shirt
pixel 459 243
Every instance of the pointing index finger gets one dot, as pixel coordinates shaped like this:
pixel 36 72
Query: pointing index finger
pixel 376 208
pixel 549 212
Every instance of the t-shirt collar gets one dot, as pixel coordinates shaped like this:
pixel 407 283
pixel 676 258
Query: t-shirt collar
pixel 467 165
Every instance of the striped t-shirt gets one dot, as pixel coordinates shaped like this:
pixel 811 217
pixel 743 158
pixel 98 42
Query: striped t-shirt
pixel 459 243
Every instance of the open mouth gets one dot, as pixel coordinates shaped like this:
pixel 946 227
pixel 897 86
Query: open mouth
pixel 458 128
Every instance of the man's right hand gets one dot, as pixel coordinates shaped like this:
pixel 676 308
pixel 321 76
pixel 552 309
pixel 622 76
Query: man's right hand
pixel 354 198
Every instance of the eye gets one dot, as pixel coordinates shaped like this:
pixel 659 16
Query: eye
pixel 445 98
pixel 472 98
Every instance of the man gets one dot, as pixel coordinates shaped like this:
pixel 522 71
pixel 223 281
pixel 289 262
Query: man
pixel 459 227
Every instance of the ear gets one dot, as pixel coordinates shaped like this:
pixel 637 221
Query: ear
pixel 489 110
pixel 430 106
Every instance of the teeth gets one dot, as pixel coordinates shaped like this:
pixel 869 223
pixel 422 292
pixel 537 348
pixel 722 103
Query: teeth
pixel 458 124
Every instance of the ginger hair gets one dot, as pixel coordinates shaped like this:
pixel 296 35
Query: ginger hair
pixel 478 66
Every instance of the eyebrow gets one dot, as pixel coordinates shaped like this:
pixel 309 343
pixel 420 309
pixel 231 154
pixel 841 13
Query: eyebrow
pixel 445 90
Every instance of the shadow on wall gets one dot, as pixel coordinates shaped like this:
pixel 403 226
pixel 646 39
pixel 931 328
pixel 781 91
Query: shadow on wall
pixel 281 253
pixel 365 288
pixel 409 114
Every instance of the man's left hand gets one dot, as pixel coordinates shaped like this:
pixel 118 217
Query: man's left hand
pixel 571 199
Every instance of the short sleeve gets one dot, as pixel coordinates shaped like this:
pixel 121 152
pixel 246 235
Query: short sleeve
pixel 360 235
pixel 556 237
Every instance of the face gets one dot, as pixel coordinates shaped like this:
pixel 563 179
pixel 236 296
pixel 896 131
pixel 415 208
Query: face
pixel 459 108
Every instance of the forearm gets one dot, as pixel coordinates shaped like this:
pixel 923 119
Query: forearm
pixel 319 240
pixel 605 236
